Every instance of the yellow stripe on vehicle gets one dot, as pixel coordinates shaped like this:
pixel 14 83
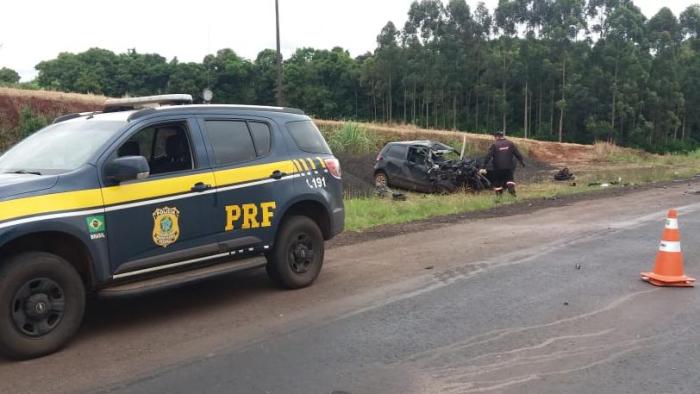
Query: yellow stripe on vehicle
pixel 153 189
pixel 323 163
pixel 304 165
pixel 313 165
pixel 252 173
pixel 297 163
pixel 136 191
pixel 57 202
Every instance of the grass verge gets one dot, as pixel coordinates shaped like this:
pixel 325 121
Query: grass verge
pixel 366 213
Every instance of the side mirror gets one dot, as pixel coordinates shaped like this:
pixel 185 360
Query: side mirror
pixel 127 168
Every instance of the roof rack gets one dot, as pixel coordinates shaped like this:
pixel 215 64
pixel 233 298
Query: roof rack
pixel 216 107
pixel 132 103
pixel 66 117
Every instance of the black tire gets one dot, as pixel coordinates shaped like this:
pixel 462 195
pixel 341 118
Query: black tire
pixel 33 287
pixel 381 179
pixel 297 257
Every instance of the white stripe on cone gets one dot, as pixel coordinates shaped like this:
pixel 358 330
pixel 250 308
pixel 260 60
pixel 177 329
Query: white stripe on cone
pixel 672 224
pixel 671 247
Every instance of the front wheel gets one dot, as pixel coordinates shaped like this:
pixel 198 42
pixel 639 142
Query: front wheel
pixel 297 257
pixel 42 302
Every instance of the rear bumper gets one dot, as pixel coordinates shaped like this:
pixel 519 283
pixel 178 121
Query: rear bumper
pixel 337 222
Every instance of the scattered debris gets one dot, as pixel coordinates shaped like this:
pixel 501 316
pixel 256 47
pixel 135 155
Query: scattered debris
pixel 396 196
pixel 566 304
pixel 564 175
pixel 578 266
pixel 429 267
pixel 382 191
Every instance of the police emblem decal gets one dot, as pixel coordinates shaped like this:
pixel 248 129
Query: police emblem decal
pixel 166 226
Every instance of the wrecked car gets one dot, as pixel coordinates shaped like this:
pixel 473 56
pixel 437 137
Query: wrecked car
pixel 427 167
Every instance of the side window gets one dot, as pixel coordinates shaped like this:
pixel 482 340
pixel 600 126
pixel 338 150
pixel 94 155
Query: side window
pixel 417 155
pixel 397 152
pixel 261 137
pixel 166 147
pixel 231 141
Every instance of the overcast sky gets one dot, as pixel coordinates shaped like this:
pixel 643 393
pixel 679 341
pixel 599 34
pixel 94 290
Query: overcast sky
pixel 33 30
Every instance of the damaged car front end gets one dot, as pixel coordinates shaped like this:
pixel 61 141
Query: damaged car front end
pixel 428 167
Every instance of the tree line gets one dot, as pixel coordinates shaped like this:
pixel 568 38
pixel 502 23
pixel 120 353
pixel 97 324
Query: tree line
pixel 567 70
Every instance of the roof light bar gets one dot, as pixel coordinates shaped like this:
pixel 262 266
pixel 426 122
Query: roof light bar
pixel 129 103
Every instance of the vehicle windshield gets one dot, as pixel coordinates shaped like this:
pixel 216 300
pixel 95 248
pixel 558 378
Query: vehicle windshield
pixel 59 148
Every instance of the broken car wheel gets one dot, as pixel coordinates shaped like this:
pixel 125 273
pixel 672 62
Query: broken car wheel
pixel 381 180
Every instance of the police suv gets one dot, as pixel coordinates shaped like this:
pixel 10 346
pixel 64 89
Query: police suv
pixel 153 192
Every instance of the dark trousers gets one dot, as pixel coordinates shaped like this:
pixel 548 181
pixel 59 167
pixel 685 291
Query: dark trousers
pixel 502 178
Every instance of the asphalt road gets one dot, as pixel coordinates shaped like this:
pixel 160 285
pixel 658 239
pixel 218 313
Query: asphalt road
pixel 495 305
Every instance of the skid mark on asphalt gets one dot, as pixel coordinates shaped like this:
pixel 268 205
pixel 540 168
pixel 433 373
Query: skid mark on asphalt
pixel 503 359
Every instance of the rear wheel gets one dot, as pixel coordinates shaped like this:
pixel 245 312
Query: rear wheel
pixel 297 256
pixel 381 180
pixel 42 299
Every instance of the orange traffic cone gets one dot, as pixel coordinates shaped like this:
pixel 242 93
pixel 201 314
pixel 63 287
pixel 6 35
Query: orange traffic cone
pixel 668 270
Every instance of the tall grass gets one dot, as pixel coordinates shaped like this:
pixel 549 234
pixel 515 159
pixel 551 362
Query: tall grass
pixel 608 152
pixel 354 139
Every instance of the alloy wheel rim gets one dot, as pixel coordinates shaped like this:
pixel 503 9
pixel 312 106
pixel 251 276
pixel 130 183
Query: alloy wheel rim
pixel 380 180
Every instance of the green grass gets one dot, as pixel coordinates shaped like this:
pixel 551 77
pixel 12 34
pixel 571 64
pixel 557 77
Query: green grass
pixel 366 213
pixel 352 138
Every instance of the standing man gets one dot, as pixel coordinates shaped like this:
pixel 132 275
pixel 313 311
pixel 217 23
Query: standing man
pixel 502 152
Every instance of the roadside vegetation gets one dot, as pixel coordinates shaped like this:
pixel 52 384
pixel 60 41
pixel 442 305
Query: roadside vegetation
pixel 598 167
pixel 369 212
pixel 352 138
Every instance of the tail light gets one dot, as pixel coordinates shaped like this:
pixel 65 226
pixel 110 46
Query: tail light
pixel 379 157
pixel 333 166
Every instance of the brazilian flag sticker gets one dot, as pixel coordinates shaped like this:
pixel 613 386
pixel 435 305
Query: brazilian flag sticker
pixel 96 224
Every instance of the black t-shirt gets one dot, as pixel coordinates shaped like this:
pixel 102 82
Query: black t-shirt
pixel 502 153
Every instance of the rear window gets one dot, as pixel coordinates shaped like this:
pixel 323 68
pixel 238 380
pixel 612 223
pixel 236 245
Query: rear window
pixel 261 137
pixel 307 137
pixel 231 141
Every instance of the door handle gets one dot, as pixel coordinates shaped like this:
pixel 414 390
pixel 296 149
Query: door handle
pixel 200 187
pixel 277 174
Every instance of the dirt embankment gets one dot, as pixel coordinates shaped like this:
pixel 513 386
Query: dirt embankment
pixel 551 153
pixel 543 158
pixel 39 103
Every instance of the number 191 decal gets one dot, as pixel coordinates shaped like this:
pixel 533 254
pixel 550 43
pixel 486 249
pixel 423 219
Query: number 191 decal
pixel 316 183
